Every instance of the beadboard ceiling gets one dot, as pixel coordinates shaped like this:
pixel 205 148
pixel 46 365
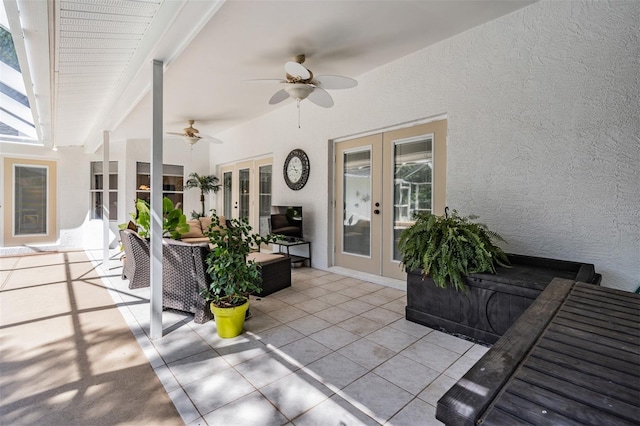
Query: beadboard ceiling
pixel 97 54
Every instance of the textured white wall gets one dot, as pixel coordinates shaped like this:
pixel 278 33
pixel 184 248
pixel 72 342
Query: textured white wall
pixel 543 142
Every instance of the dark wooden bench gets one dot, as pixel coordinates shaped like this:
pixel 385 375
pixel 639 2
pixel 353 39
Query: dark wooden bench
pixel 573 358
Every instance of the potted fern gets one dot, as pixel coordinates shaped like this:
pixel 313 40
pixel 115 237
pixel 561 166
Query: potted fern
pixel 459 280
pixel 441 254
pixel 448 248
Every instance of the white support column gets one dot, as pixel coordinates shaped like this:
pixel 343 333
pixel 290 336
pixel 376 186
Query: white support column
pixel 156 202
pixel 105 201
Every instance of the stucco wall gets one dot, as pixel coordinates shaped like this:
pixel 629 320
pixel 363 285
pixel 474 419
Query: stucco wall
pixel 543 142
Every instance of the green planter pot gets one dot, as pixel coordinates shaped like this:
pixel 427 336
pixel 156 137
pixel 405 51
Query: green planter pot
pixel 229 321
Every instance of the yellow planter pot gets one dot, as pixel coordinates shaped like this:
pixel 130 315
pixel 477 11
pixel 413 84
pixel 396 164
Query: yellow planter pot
pixel 229 321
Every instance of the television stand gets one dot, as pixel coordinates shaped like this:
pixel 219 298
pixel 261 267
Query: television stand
pixel 289 242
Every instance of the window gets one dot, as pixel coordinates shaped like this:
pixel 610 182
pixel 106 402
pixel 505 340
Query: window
pixel 16 117
pixel 227 187
pixel 30 192
pixel 244 194
pixel 264 198
pixel 413 177
pixel 97 187
pixel 172 182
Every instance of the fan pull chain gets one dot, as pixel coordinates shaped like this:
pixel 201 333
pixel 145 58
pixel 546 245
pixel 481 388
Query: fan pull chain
pixel 298 100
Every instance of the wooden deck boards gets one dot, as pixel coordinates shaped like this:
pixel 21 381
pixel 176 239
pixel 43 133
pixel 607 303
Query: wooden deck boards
pixel 581 367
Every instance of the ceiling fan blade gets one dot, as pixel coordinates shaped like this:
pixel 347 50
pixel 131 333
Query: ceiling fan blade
pixel 333 82
pixel 266 80
pixel 321 98
pixel 280 96
pixel 297 70
pixel 174 133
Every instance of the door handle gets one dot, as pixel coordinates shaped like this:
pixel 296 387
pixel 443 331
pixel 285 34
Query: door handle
pixel 376 211
pixel 377 204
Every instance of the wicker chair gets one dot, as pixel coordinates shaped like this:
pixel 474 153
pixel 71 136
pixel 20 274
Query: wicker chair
pixel 184 272
pixel 184 276
pixel 136 264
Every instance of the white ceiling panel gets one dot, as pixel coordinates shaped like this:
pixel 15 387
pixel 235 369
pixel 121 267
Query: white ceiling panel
pixel 106 17
pixel 105 26
pixel 96 43
pixel 129 8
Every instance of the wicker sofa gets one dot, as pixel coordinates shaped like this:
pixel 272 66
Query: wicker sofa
pixel 198 229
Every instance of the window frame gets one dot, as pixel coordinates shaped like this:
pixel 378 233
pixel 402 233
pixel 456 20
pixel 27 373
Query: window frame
pixel 93 192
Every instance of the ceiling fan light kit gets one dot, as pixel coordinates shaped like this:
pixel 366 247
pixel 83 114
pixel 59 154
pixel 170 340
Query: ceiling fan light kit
pixel 298 91
pixel 192 139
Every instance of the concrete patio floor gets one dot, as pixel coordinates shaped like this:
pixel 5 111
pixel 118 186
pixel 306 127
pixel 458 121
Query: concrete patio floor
pixel 67 357
pixel 330 350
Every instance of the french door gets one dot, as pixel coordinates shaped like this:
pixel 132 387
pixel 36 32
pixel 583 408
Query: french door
pixel 381 181
pixel 246 192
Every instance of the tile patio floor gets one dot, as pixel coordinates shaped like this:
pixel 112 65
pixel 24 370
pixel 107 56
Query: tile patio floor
pixel 330 350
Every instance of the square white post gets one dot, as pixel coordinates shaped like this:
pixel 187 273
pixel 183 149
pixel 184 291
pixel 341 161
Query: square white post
pixel 105 200
pixel 156 202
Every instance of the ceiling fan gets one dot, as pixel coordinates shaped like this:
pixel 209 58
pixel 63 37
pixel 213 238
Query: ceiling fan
pixel 300 83
pixel 190 134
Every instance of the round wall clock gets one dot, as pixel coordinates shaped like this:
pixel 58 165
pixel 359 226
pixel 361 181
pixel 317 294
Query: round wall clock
pixel 296 169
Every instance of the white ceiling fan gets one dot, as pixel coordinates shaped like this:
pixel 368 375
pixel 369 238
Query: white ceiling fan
pixel 300 83
pixel 191 135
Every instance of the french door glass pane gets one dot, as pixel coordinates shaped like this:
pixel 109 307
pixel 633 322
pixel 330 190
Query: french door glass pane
pixel 265 199
pixel 244 195
pixel 413 175
pixel 30 201
pixel 356 224
pixel 227 188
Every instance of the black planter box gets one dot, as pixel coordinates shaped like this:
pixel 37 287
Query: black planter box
pixel 494 301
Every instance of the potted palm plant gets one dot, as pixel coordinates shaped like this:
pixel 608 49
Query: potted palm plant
pixel 206 184
pixel 233 278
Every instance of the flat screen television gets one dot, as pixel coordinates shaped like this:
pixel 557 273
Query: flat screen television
pixel 286 220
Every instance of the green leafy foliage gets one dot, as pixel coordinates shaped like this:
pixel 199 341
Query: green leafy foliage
pixel 449 248
pixel 233 277
pixel 174 222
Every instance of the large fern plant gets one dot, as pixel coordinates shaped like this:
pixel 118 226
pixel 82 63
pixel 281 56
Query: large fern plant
pixel 449 247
